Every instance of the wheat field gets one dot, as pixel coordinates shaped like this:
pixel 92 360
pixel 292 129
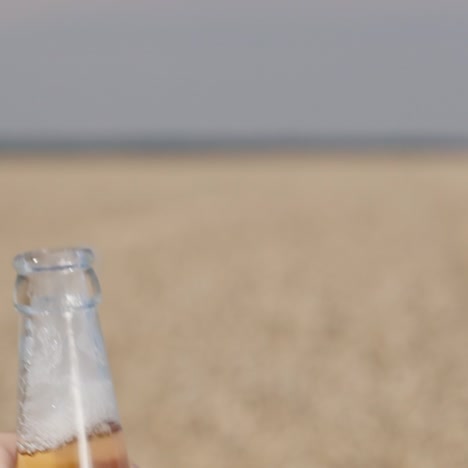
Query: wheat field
pixel 264 312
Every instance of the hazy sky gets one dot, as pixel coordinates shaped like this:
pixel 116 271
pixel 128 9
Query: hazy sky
pixel 233 67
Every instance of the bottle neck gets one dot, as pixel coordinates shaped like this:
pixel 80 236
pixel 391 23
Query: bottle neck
pixel 65 390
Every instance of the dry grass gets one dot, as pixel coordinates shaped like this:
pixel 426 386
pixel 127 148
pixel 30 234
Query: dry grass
pixel 265 313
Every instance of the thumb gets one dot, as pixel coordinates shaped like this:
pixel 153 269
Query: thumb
pixel 7 450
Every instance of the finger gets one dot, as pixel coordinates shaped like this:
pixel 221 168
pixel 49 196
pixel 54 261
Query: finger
pixel 7 450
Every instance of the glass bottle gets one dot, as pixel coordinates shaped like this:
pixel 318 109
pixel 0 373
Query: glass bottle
pixel 67 412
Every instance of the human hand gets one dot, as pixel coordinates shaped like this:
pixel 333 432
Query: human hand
pixel 7 450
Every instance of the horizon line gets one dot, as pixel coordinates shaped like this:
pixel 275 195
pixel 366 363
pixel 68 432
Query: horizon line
pixel 194 143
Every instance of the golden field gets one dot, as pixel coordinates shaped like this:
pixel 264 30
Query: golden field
pixel 264 312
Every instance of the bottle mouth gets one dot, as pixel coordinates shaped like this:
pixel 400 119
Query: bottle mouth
pixel 53 260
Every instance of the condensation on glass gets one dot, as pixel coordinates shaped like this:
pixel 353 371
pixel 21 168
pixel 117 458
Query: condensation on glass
pixel 67 412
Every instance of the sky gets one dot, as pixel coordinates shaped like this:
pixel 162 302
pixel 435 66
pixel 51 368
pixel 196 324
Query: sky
pixel 101 68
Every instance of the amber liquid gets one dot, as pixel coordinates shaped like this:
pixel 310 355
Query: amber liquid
pixel 106 451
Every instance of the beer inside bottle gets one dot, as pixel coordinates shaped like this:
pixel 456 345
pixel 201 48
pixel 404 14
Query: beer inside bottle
pixel 67 412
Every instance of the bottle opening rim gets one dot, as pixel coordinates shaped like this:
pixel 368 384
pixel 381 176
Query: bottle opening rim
pixel 53 259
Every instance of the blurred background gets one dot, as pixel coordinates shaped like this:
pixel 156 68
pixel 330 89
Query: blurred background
pixel 278 195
